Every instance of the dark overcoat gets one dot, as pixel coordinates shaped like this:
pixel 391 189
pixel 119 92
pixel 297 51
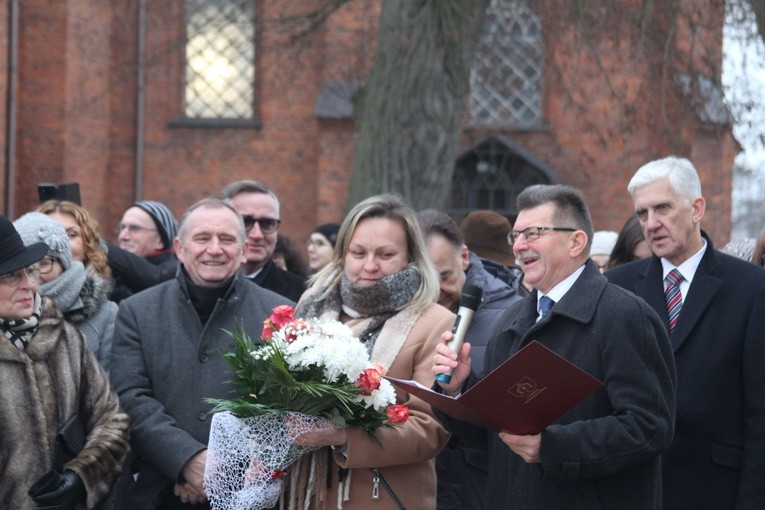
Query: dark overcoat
pixel 165 363
pixel 604 452
pixel 717 459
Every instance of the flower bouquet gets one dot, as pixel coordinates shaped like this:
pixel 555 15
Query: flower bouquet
pixel 307 375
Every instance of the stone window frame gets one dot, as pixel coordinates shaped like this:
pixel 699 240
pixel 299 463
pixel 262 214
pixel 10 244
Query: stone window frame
pixel 218 30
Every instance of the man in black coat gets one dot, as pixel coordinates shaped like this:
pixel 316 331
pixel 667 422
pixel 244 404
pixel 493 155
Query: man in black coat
pixel 259 206
pixel 717 459
pixel 604 452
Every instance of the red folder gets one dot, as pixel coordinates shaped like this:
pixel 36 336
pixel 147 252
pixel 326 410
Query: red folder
pixel 523 395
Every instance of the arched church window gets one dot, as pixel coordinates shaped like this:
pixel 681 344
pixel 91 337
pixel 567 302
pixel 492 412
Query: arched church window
pixel 506 74
pixel 490 176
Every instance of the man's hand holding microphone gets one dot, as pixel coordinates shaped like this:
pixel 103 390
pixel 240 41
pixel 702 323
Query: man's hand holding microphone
pixel 451 362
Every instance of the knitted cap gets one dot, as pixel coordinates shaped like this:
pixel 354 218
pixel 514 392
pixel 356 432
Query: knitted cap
pixel 167 225
pixel 485 234
pixel 328 230
pixel 603 242
pixel 35 227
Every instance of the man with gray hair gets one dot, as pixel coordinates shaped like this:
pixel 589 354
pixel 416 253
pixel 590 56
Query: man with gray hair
pixel 166 356
pixel 713 305
pixel 461 467
pixel 259 207
pixel 604 452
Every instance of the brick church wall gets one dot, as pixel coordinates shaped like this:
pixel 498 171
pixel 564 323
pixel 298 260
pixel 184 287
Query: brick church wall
pixel 78 119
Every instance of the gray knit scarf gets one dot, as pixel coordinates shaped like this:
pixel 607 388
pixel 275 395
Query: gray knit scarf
pixel 368 306
pixel 20 331
pixel 65 290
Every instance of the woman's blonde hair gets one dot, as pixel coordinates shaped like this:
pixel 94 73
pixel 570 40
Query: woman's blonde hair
pixel 91 232
pixel 391 207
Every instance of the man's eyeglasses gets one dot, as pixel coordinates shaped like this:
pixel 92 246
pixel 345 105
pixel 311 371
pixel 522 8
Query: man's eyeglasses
pixel 267 225
pixel 13 278
pixel 533 233
pixel 46 265
pixel 131 228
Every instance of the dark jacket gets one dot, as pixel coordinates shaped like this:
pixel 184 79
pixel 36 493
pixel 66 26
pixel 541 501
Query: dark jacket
pixel 165 363
pixel 461 466
pixel 604 452
pixel 284 283
pixel 133 273
pixel 718 457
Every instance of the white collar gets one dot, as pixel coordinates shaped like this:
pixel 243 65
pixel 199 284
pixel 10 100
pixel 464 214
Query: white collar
pixel 560 290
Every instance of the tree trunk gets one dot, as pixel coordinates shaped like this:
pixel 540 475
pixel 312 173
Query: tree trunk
pixel 411 108
pixel 758 7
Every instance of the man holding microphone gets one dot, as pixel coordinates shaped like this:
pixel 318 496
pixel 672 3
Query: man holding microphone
pixel 604 452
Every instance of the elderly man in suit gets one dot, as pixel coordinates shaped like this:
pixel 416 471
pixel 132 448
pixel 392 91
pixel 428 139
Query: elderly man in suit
pixel 166 357
pixel 714 307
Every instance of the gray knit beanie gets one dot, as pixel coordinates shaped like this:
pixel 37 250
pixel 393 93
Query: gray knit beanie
pixel 35 227
pixel 163 217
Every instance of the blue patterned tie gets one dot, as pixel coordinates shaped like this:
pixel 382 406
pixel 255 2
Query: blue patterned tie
pixel 674 298
pixel 545 305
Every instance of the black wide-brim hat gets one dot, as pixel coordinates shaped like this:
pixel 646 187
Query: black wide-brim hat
pixel 13 254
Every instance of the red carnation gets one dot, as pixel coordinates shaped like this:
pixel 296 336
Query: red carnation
pixel 268 331
pixel 278 474
pixel 282 315
pixel 368 381
pixel 397 413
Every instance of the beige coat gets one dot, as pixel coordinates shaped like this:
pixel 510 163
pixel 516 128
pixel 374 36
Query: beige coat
pixel 405 453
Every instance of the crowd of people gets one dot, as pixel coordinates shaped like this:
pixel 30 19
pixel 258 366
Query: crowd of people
pixel 112 347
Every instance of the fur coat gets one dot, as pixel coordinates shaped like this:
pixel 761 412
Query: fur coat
pixel 42 387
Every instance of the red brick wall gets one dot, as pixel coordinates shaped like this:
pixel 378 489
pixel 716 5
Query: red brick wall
pixel 4 74
pixel 63 99
pixel 78 117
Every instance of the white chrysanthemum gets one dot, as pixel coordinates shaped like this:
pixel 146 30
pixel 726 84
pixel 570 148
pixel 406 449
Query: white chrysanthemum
pixel 335 329
pixel 343 357
pixel 380 398
pixel 329 345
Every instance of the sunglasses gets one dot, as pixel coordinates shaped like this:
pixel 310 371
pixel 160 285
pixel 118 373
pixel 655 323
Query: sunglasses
pixel 267 225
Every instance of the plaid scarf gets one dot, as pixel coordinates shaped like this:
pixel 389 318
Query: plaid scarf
pixel 20 331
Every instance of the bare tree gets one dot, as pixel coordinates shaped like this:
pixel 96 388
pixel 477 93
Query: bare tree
pixel 758 8
pixel 410 115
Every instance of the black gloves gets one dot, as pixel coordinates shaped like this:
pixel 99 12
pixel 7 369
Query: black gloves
pixel 58 491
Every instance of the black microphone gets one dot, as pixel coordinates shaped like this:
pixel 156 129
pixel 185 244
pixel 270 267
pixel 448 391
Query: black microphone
pixel 471 299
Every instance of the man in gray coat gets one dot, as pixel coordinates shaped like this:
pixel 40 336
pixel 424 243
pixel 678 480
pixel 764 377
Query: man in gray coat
pixel 166 357
pixel 461 466
pixel 604 452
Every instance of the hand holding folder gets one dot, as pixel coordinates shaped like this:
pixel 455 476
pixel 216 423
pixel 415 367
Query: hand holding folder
pixel 523 395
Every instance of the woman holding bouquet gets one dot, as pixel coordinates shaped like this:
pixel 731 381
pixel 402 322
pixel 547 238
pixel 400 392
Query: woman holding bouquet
pixel 381 284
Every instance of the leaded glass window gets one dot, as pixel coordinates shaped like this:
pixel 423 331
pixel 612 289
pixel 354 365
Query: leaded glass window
pixel 506 75
pixel 220 59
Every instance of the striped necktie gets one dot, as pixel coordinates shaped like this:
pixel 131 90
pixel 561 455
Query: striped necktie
pixel 673 296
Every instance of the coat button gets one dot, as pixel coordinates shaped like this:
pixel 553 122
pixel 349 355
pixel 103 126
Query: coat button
pixel 202 416
pixel 203 358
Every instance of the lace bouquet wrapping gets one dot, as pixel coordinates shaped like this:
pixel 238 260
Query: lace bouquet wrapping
pixel 307 375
